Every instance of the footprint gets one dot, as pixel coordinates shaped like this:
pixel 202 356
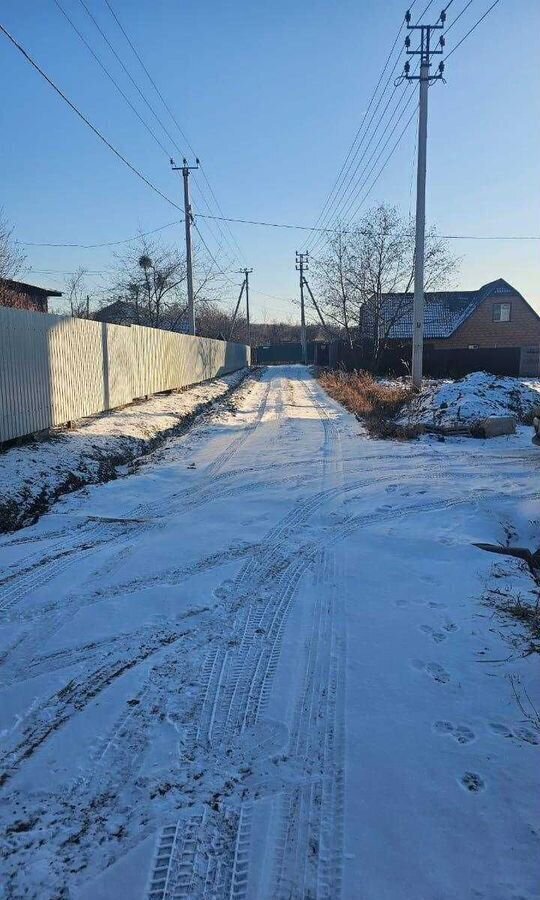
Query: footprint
pixel 443 727
pixel 434 670
pixel 464 735
pixel 500 728
pixel 437 636
pixel 527 735
pixel 450 627
pixel 437 672
pixel 472 782
pixel 460 733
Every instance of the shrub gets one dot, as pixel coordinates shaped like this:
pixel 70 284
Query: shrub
pixel 375 402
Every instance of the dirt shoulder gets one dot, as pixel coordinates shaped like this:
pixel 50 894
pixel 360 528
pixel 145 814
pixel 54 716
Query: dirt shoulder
pixel 33 476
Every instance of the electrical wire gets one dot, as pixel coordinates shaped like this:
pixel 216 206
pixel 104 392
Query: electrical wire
pixel 86 121
pixel 458 17
pixel 351 148
pixel 110 77
pixel 128 73
pixel 352 200
pixel 235 247
pixel 387 160
pixel 470 31
pixel 345 169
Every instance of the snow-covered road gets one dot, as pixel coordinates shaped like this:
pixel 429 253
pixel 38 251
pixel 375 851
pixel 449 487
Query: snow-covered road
pixel 260 668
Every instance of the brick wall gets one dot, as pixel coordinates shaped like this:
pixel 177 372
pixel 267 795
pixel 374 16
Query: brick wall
pixel 480 329
pixel 22 300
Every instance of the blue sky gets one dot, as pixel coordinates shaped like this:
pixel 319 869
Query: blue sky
pixel 270 95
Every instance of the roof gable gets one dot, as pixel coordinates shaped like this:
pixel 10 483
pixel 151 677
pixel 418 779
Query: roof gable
pixel 29 288
pixel 444 311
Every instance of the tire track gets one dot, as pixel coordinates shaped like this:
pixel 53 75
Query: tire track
pixel 308 852
pixel 43 572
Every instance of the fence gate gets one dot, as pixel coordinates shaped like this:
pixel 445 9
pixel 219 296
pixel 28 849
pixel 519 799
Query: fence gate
pixel 529 362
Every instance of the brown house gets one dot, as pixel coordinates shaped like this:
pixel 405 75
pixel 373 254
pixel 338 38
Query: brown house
pixel 493 317
pixel 19 295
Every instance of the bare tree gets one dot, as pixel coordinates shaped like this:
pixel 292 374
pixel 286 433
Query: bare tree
pixel 151 280
pixel 337 277
pixel 368 262
pixel 12 262
pixel 77 295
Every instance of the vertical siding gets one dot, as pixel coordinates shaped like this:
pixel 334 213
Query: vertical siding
pixel 54 369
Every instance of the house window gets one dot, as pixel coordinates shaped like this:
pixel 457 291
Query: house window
pixel 501 312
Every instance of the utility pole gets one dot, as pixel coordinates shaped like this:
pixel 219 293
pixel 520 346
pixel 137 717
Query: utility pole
pixel 235 313
pixel 246 273
pixel 425 52
pixel 317 307
pixel 302 265
pixel 188 219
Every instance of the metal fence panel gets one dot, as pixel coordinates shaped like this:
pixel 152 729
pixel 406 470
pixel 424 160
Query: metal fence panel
pixel 54 369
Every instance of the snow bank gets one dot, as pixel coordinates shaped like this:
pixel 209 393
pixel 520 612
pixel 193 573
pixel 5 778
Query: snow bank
pixel 474 397
pixel 32 476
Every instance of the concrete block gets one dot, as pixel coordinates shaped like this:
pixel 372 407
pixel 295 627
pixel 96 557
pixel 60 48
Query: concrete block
pixel 494 426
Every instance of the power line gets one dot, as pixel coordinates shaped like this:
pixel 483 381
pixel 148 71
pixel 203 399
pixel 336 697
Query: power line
pixel 129 240
pixel 86 121
pixel 470 31
pixel 345 169
pixel 148 75
pixel 105 243
pixel 345 210
pixel 335 185
pixel 338 201
pixel 180 130
pixel 128 73
pixel 491 237
pixel 111 77
pixel 408 122
pixel 471 237
pixel 458 17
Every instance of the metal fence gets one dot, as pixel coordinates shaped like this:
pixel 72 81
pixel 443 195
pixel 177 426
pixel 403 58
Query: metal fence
pixel 439 363
pixel 54 369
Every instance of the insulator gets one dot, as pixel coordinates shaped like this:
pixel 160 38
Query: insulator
pixel 441 67
pixel 443 16
pixel 407 42
pixel 407 67
pixel 408 16
pixel 442 42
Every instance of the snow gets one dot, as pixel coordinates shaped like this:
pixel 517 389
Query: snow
pixel 262 666
pixel 100 447
pixel 474 397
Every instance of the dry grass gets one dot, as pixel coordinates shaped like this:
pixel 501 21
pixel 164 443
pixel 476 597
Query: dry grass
pixel 376 404
pixel 525 609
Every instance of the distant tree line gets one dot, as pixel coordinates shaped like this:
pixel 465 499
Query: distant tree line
pixel 351 275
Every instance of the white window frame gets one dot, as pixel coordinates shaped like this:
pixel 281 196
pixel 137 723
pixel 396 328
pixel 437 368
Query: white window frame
pixel 499 307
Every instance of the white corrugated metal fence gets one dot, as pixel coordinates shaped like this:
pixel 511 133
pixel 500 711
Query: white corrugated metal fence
pixel 54 369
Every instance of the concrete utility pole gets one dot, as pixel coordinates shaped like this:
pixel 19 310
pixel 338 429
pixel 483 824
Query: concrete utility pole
pixel 246 273
pixel 425 78
pixel 235 313
pixel 317 307
pixel 188 219
pixel 302 265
